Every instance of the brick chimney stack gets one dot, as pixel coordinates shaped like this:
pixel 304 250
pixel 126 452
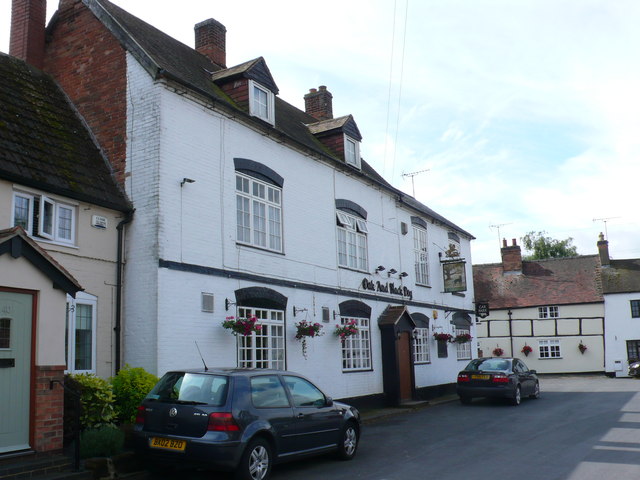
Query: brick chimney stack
pixel 511 257
pixel 211 41
pixel 603 250
pixel 319 103
pixel 28 19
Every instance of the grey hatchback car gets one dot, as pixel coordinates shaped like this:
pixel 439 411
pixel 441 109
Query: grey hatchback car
pixel 241 420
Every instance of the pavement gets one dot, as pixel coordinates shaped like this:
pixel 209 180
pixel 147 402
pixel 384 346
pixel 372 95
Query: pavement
pixel 377 414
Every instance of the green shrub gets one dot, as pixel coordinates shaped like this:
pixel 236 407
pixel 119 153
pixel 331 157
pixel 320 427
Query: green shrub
pixel 130 386
pixel 104 441
pixel 96 399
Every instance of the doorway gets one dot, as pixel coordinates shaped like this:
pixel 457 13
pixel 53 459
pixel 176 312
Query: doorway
pixel 16 316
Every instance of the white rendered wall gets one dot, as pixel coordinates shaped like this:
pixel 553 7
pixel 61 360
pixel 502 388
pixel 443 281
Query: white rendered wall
pixel 195 224
pixel 620 327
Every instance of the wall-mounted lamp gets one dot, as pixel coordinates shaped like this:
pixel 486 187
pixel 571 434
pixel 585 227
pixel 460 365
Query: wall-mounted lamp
pixel 186 180
pixel 403 274
pixel 393 271
pixel 228 303
pixel 379 268
pixel 298 310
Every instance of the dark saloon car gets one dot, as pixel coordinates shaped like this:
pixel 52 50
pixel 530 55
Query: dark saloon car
pixel 497 377
pixel 241 420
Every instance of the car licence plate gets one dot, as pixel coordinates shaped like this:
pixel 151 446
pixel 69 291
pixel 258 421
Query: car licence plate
pixel 168 444
pixel 480 377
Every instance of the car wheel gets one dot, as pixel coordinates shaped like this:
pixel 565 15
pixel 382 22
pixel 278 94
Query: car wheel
pixel 255 463
pixel 517 397
pixel 536 391
pixel 348 442
pixel 465 400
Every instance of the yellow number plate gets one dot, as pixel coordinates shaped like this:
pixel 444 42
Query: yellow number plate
pixel 480 377
pixel 168 444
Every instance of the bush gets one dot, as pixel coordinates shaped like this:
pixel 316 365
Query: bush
pixel 104 441
pixel 130 386
pixel 96 397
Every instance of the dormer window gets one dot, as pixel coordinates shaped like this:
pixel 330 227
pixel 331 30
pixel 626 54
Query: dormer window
pixel 351 152
pixel 261 102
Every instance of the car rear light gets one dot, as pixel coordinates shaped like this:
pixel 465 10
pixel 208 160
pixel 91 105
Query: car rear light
pixel 140 415
pixel 463 377
pixel 222 422
pixel 500 378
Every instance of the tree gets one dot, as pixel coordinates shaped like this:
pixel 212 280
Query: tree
pixel 546 247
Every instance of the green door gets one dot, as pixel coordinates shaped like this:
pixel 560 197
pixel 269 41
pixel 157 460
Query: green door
pixel 15 368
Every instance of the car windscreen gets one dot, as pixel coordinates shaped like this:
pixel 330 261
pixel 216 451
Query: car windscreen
pixel 488 364
pixel 193 388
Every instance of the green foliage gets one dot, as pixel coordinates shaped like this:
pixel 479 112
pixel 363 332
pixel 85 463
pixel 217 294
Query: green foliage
pixel 104 441
pixel 130 386
pixel 546 247
pixel 96 399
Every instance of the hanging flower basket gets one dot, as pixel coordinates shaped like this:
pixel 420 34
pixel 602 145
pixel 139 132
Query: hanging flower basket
pixel 306 329
pixel 498 352
pixel 242 326
pixel 526 350
pixel 462 338
pixel 442 337
pixel 582 347
pixel 344 331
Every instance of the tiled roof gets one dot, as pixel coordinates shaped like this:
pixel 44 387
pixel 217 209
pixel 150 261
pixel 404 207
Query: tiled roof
pixel 162 55
pixel 16 241
pixel 622 276
pixel 558 281
pixel 43 142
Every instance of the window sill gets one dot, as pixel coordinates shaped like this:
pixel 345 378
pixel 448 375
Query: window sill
pixel 262 249
pixel 550 358
pixel 423 285
pixel 353 269
pixel 358 371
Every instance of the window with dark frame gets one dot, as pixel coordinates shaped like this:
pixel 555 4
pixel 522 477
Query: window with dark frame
pixel 5 333
pixel 633 350
pixel 635 308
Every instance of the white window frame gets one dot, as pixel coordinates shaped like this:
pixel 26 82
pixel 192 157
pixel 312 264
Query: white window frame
pixel 351 151
pixel 352 242
pixel 421 350
pixel 29 199
pixel 82 298
pixel 258 213
pixel 356 349
pixel 48 209
pixel 421 255
pixel 264 349
pixel 268 112
pixel 548 312
pixel 549 349
pixel 463 350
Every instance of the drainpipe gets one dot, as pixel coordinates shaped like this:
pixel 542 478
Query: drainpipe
pixel 118 327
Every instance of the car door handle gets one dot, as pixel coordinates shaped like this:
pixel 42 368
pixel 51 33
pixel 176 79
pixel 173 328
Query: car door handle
pixel 301 415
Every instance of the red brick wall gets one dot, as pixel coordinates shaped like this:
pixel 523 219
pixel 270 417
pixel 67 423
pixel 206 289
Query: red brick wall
pixel 238 90
pixel 48 409
pixel 90 65
pixel 335 143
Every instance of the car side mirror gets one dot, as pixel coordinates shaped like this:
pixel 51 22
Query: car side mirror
pixel 533 371
pixel 328 401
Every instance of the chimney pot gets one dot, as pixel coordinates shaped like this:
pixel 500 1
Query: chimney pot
pixel 211 41
pixel 511 257
pixel 28 18
pixel 319 104
pixel 603 251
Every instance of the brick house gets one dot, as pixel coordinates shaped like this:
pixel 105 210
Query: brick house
pixel 552 306
pixel 248 206
pixel 58 255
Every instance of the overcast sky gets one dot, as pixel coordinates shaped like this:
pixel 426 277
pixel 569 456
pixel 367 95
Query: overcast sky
pixel 522 114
